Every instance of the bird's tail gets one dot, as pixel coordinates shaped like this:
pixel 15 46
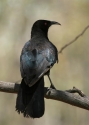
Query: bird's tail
pixel 30 100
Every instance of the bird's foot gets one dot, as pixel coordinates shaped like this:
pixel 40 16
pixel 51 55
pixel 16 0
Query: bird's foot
pixel 52 86
pixel 49 90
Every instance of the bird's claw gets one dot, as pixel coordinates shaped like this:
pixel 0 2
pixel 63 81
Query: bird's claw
pixel 52 86
pixel 49 90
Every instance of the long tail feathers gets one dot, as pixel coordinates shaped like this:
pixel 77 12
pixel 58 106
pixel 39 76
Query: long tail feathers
pixel 30 100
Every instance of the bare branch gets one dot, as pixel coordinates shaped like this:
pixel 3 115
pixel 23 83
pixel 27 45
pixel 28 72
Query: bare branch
pixel 73 39
pixel 9 87
pixel 64 96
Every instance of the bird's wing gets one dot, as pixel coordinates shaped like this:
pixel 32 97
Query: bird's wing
pixel 35 63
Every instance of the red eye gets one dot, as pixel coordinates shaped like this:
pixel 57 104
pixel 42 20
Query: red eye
pixel 45 23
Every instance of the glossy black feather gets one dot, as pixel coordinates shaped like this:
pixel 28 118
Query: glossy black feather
pixel 37 56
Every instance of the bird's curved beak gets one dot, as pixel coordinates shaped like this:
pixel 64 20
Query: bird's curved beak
pixel 54 22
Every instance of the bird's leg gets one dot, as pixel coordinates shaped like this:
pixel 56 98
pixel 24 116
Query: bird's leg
pixel 52 85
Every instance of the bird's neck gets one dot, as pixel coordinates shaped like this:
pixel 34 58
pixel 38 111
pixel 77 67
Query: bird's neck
pixel 39 33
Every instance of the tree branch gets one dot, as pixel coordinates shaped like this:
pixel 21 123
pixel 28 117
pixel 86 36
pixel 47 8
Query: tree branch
pixel 67 96
pixel 73 39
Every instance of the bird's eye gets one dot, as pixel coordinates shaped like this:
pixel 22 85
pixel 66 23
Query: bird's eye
pixel 45 23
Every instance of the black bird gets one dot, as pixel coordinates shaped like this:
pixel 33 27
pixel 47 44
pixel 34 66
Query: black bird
pixel 37 57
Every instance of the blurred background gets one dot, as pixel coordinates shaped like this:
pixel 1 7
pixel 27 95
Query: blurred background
pixel 16 19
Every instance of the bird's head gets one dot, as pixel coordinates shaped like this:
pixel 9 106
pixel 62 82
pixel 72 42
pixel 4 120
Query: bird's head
pixel 42 26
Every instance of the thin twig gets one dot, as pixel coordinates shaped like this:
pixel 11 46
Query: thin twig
pixel 73 39
pixel 75 90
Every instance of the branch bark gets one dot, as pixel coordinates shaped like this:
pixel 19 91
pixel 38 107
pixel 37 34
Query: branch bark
pixel 67 96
